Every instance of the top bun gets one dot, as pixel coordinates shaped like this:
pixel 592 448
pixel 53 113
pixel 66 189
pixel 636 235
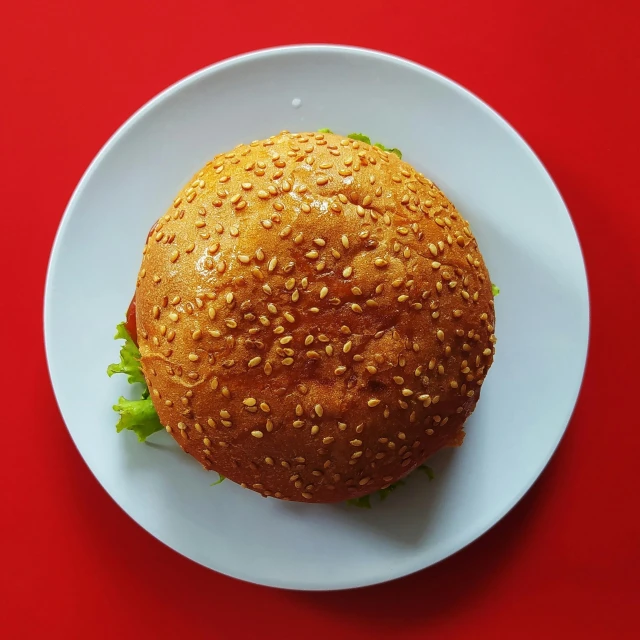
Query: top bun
pixel 314 317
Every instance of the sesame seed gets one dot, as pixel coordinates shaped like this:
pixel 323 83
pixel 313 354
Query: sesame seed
pixel 257 434
pixel 373 402
pixel 318 409
pixel 356 308
pixel 347 346
pixel 314 429
pixel 380 263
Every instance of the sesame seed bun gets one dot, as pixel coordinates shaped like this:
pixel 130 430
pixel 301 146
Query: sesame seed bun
pixel 314 317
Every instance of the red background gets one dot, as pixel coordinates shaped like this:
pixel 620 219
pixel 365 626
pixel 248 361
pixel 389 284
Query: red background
pixel 565 562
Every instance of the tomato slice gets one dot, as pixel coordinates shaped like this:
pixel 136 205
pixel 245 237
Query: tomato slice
pixel 130 323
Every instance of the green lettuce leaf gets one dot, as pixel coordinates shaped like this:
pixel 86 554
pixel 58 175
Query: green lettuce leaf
pixel 495 290
pixel 388 149
pixel 428 471
pixel 129 358
pixel 220 479
pixel 385 493
pixel 360 137
pixel 137 415
pixel 364 502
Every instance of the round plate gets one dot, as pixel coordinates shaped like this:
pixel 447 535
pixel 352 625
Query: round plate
pixel 524 232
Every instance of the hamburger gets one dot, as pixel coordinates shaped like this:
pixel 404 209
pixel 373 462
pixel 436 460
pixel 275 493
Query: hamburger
pixel 312 319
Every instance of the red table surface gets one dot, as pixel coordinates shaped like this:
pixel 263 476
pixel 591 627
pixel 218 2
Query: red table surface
pixel 565 562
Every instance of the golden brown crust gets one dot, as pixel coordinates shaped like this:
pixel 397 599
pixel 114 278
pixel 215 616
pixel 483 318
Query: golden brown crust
pixel 314 317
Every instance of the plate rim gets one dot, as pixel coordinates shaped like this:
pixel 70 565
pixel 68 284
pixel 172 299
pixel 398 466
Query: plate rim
pixel 240 59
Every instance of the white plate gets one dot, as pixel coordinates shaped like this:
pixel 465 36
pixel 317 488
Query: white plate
pixel 525 234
